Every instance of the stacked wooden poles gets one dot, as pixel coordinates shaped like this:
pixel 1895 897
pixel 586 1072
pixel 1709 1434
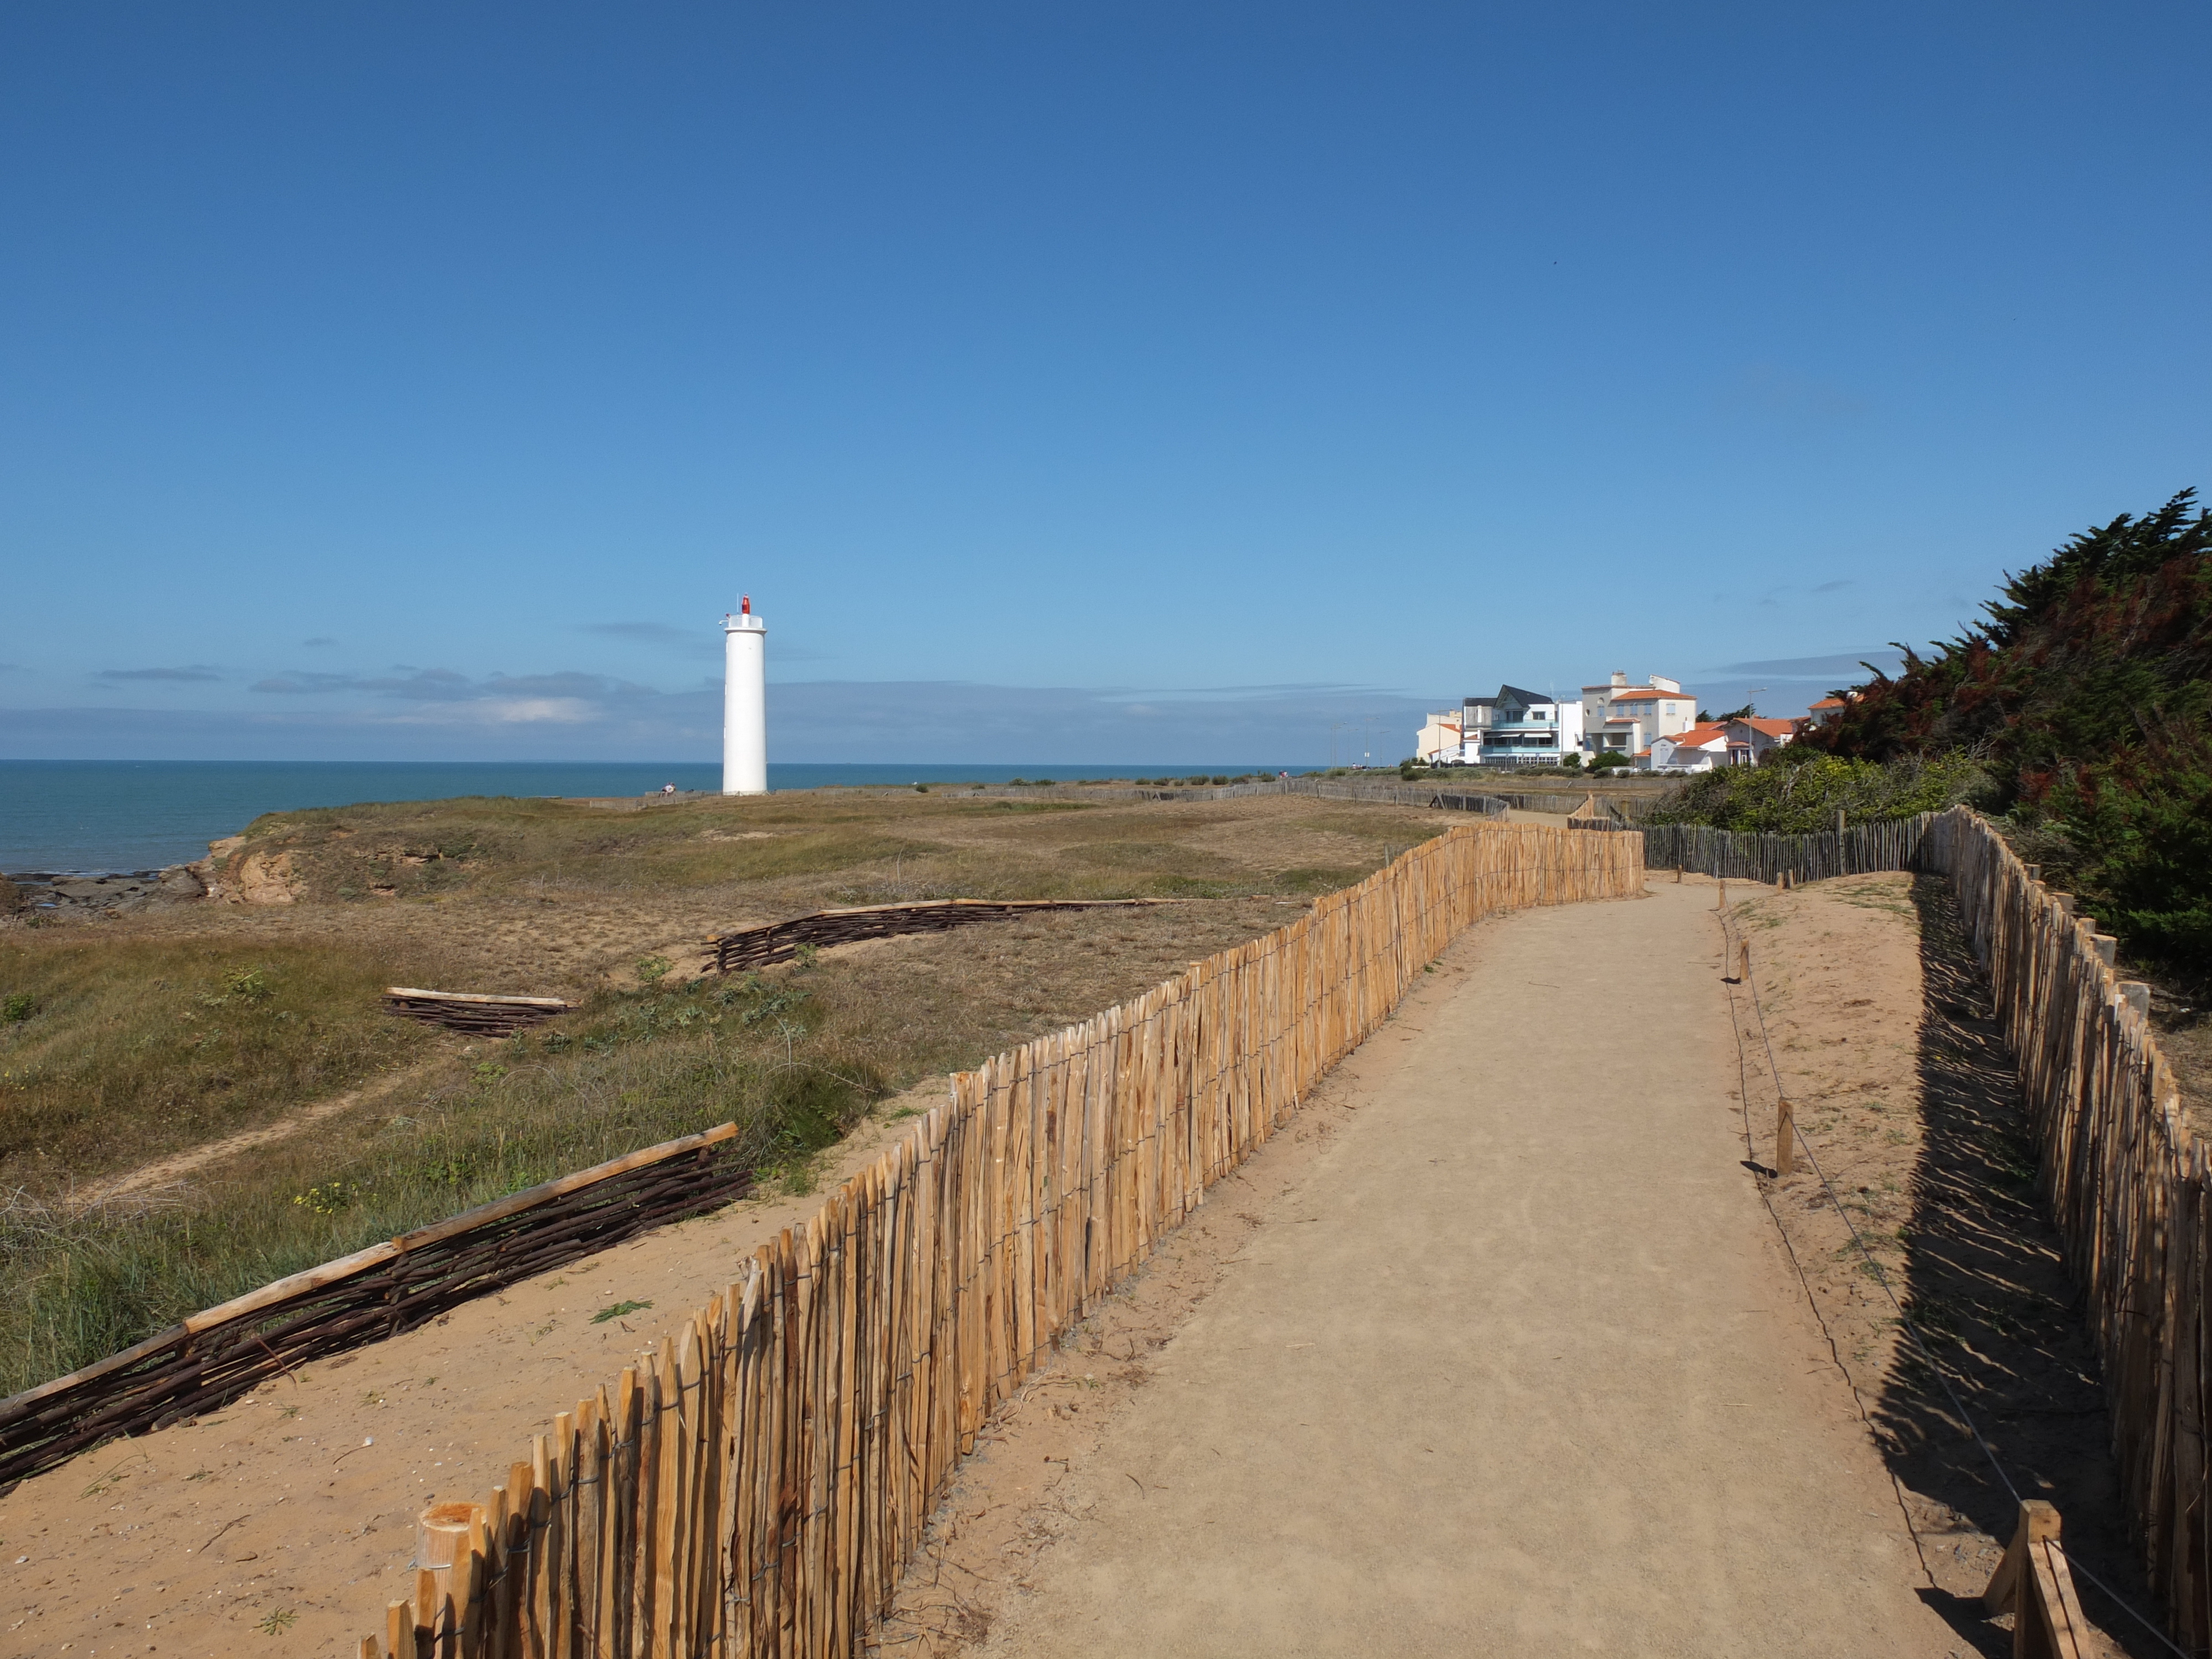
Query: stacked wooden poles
pixel 757 1489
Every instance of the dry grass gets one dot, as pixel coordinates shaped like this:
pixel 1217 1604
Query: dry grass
pixel 153 1033
pixel 128 1050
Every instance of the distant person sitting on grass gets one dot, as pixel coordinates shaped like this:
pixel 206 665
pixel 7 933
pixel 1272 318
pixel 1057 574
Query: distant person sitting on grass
pixel 668 788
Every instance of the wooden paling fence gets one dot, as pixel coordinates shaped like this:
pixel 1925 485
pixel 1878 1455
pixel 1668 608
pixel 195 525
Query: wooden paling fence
pixel 1856 851
pixel 2127 1183
pixel 214 1357
pixel 780 941
pixel 756 1488
pixel 1490 806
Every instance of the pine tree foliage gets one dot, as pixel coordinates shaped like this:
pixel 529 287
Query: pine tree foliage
pixel 2088 690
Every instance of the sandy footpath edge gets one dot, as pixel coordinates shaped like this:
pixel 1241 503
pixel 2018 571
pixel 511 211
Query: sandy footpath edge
pixel 291 1513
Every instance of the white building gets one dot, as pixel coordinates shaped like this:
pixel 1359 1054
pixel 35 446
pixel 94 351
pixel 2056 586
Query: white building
pixel 1701 748
pixel 1439 740
pixel 1514 728
pixel 1627 719
pixel 1719 743
pixel 1750 741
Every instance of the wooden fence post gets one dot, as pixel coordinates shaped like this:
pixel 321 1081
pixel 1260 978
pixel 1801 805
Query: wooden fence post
pixel 443 1537
pixel 2035 1584
pixel 1785 1137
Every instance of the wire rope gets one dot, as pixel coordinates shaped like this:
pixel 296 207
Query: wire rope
pixel 1905 1320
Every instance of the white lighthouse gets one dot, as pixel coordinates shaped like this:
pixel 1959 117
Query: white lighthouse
pixel 745 702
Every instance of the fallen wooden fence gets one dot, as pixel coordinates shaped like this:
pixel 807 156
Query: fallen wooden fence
pixel 780 941
pixel 756 1488
pixel 1859 850
pixel 2127 1182
pixel 214 1357
pixel 1381 794
pixel 466 1011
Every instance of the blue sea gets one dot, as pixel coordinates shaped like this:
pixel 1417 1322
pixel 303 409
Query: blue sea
pixel 88 815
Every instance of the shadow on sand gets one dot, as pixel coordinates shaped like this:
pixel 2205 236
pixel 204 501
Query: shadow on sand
pixel 1987 1286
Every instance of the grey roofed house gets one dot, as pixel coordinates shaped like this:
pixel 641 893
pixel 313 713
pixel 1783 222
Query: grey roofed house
pixel 1510 733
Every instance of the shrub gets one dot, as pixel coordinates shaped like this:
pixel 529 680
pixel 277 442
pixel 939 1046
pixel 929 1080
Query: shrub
pixel 1802 797
pixel 2141 827
pixel 2086 688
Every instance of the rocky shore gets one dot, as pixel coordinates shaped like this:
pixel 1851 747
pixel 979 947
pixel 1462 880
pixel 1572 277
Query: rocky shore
pixel 32 894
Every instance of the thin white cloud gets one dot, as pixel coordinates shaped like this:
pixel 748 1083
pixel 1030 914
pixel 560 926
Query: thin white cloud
pixel 443 685
pixel 1811 668
pixel 198 671
pixel 438 713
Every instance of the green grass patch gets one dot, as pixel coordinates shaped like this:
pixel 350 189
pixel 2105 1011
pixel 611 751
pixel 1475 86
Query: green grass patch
pixel 125 1049
pixel 635 1069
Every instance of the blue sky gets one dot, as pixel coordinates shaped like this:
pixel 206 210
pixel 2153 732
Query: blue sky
pixel 1125 382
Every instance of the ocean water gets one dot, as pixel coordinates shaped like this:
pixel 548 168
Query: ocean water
pixel 141 815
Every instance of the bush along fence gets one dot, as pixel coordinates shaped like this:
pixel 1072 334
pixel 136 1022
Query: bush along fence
pixel 214 1357
pixel 2128 1185
pixel 1858 850
pixel 757 1489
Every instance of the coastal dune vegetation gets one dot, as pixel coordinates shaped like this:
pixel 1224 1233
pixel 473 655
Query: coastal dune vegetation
pixel 155 1069
pixel 2076 712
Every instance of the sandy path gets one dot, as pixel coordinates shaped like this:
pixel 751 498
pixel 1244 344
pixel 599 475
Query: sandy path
pixel 162 1171
pixel 1517 1368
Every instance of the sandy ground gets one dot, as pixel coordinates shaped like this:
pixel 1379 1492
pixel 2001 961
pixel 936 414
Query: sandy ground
pixel 1492 1346
pixel 1878 1024
pixel 292 1514
pixel 1508 1358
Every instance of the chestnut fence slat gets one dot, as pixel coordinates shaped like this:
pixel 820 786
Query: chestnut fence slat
pixel 755 1488
pixel 2127 1182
